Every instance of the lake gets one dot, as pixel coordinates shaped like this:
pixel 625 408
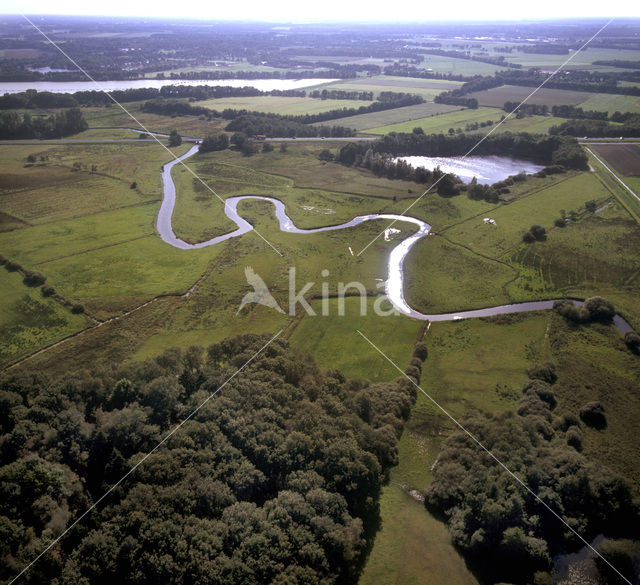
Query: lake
pixel 73 86
pixel 487 169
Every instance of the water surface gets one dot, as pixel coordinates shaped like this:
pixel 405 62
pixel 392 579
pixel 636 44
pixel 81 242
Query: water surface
pixel 487 169
pixel 73 86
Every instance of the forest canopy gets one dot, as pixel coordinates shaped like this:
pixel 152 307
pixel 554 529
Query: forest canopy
pixel 275 480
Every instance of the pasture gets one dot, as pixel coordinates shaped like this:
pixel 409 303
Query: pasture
pixel 288 106
pixel 497 96
pixel 607 102
pixel 441 123
pixel 397 115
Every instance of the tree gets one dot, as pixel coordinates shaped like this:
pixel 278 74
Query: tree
pixel 326 155
pixel 538 232
pixel 448 186
pixel 214 142
pixel 174 138
pixel 600 308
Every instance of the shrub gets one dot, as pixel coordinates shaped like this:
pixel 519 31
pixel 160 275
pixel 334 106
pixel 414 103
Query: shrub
pixel 632 339
pixel 32 278
pixel 77 309
pixel 326 155
pixel 3 260
pixel 560 222
pixel 528 238
pixel 420 351
pixel 12 266
pixel 133 185
pixel 545 372
pixel 538 232
pixel 413 372
pixel 571 312
pixel 592 414
pixel 48 291
pixel 600 308
pixel 574 438
pixel 267 147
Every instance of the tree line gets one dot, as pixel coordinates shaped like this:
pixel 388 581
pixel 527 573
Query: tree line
pixel 598 128
pixel 15 126
pixel 276 480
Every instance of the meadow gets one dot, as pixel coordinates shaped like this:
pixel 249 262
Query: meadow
pixel 440 124
pixel 289 106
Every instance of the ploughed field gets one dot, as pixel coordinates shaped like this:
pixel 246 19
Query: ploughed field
pixel 624 158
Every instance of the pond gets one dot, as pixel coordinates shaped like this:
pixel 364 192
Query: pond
pixel 73 86
pixel 487 169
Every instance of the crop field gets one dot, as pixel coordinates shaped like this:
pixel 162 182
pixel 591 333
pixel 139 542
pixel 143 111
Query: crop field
pixel 623 158
pixel 427 88
pixel 292 106
pixel 583 60
pixel 442 64
pixel 606 102
pixel 441 123
pixel 497 96
pixel 397 115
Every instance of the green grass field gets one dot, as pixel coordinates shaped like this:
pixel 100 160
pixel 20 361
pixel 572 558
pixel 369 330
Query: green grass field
pixel 397 115
pixel 441 123
pixel 290 106
pixel 427 88
pixel 28 320
pixel 606 102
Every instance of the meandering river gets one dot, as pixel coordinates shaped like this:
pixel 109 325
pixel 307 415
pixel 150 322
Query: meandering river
pixel 394 286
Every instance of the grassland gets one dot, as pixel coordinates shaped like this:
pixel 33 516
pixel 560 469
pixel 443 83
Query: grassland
pixel 28 320
pixel 375 119
pixel 441 64
pixel 441 123
pixel 427 88
pixel 291 106
pixel 606 102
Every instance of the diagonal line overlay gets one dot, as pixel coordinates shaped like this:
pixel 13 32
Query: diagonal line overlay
pixel 494 128
pixel 146 456
pixel 115 101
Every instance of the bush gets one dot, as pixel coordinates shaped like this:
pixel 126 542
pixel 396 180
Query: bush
pixel 31 158
pixel 538 232
pixel 420 351
pixel 48 291
pixel 545 372
pixel 560 222
pixel 77 309
pixel 12 266
pixel 571 312
pixel 32 278
pixel 632 339
pixel 528 238
pixel 574 438
pixel 326 155
pixel 3 260
pixel 592 414
pixel 267 147
pixel 133 185
pixel 600 309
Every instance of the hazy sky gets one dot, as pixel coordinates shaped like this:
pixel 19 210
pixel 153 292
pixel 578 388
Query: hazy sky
pixel 324 10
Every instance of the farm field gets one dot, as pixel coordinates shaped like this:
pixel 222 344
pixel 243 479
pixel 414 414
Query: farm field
pixel 623 158
pixel 606 102
pixel 453 66
pixel 497 96
pixel 441 123
pixel 397 115
pixel 427 88
pixel 290 106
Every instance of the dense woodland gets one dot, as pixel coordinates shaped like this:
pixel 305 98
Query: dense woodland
pixel 275 480
pixel 15 126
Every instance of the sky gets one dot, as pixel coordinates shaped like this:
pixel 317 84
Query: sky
pixel 329 10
